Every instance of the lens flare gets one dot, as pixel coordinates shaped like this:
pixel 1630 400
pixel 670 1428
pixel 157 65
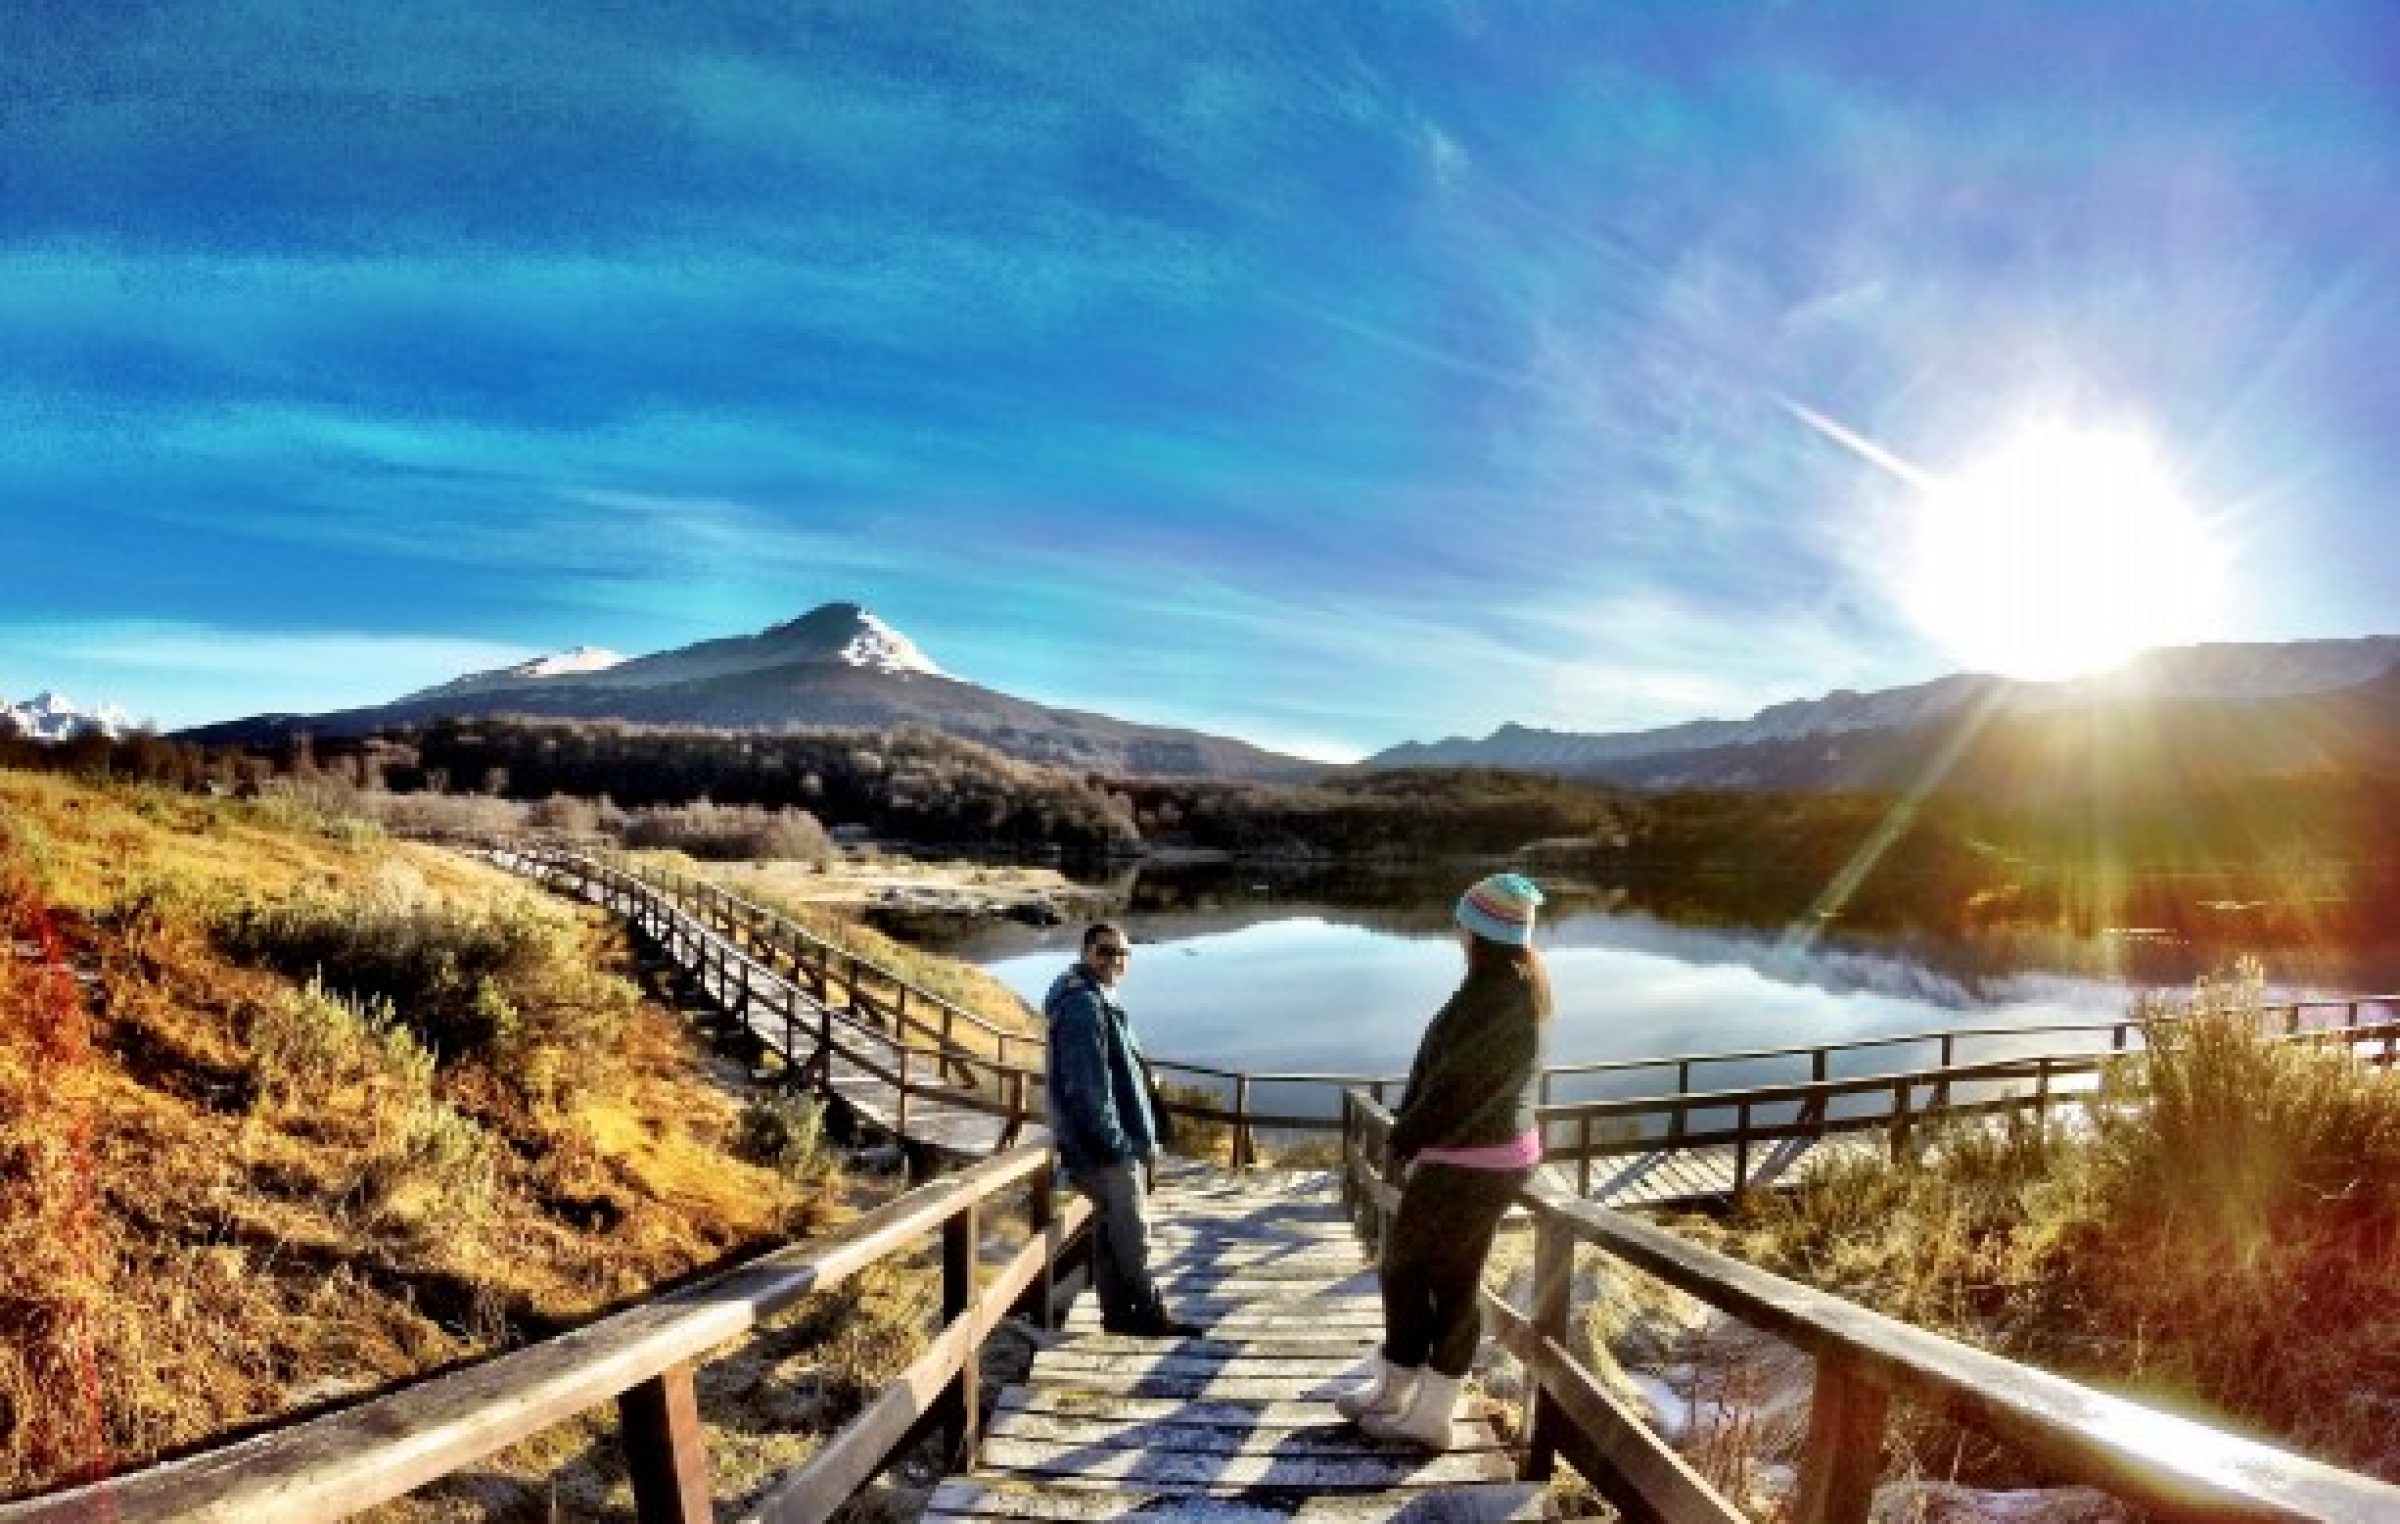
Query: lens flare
pixel 2064 550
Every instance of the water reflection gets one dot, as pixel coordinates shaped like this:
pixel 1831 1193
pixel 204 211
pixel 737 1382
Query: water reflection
pixel 1233 968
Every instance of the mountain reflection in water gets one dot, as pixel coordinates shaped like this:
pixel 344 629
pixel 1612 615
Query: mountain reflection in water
pixel 1340 972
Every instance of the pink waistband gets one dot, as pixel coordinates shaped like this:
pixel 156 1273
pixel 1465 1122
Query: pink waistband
pixel 1517 1153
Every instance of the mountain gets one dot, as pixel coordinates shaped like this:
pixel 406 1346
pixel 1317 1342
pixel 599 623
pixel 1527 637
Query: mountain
pixel 559 664
pixel 837 665
pixel 49 716
pixel 1887 738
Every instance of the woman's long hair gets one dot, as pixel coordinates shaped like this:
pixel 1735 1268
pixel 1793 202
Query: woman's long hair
pixel 1486 957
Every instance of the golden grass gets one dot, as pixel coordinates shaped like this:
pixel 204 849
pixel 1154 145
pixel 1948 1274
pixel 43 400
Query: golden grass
pixel 231 1195
pixel 2224 1238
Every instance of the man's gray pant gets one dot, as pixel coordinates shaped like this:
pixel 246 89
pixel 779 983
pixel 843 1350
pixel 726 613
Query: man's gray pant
pixel 1120 1244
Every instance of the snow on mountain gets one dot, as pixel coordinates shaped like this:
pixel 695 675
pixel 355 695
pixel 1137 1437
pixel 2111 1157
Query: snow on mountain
pixel 52 716
pixel 579 659
pixel 571 662
pixel 885 649
pixel 834 632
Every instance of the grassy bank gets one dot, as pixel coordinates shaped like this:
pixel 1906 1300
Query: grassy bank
pixel 2221 1239
pixel 290 1112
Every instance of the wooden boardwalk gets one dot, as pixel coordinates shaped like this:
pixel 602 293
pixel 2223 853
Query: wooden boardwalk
pixel 1237 1425
pixel 851 1057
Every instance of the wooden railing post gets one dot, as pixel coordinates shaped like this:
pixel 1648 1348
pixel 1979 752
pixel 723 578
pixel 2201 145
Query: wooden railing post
pixel 666 1451
pixel 1843 1454
pixel 1041 1210
pixel 900 1125
pixel 1903 1098
pixel 961 1238
pixel 1741 1155
pixel 1349 1188
pixel 1553 1280
pixel 1583 1154
pixel 1241 1121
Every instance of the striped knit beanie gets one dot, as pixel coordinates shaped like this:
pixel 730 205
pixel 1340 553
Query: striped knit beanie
pixel 1501 908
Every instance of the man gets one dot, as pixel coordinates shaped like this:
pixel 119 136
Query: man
pixel 1106 1135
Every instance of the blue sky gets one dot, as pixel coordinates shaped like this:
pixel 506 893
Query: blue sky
pixel 1327 374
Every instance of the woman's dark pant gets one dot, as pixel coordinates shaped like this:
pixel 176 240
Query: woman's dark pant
pixel 1433 1256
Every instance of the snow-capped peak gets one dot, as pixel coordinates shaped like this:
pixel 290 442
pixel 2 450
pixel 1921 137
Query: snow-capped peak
pixel 51 716
pixel 560 663
pixel 567 663
pixel 880 646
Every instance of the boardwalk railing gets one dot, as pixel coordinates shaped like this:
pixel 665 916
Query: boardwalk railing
pixel 642 1360
pixel 1865 1363
pixel 1746 1101
pixel 1759 1126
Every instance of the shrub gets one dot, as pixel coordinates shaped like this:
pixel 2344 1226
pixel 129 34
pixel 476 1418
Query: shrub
pixel 729 832
pixel 786 1133
pixel 510 985
pixel 2223 1230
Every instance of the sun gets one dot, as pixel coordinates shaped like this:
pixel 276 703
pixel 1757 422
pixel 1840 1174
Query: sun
pixel 2063 550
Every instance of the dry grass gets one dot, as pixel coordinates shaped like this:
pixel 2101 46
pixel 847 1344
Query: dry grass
pixel 2222 1239
pixel 234 1191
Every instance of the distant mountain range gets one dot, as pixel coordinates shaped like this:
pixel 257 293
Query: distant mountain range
pixel 51 716
pixel 837 665
pixel 2224 710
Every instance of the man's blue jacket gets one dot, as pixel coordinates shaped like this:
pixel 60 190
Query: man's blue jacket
pixel 1099 1101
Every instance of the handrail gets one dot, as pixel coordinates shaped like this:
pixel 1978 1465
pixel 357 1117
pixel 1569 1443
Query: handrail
pixel 733 917
pixel 1943 1036
pixel 1865 1360
pixel 643 1358
pixel 1902 1118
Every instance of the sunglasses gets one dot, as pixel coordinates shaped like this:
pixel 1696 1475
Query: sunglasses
pixel 1105 950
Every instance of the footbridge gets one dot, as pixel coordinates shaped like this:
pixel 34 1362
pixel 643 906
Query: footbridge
pixel 1678 1130
pixel 1237 1424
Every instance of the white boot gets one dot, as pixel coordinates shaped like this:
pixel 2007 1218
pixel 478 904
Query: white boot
pixel 1426 1419
pixel 1387 1391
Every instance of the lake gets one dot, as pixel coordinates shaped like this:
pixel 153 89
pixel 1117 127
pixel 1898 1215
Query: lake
pixel 1243 972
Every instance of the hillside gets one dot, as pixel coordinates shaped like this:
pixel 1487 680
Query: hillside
pixel 837 666
pixel 2198 716
pixel 292 1112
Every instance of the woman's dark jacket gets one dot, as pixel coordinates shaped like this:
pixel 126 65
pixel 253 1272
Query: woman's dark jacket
pixel 1477 1070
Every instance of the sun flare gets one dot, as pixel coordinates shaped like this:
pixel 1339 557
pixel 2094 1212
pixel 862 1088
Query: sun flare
pixel 2064 550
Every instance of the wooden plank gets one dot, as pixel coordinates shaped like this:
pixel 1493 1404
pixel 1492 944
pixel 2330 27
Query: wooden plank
pixel 1196 1387
pixel 361 1456
pixel 1340 1346
pixel 1361 1326
pixel 1169 1361
pixel 994 1498
pixel 1617 1453
pixel 1253 1412
pixel 845 1462
pixel 1188 1471
pixel 666 1449
pixel 1843 1455
pixel 2150 1458
pixel 1178 1432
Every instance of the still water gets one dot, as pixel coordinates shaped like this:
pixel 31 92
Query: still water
pixel 1242 976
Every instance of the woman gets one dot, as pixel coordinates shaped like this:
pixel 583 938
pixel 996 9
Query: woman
pixel 1466 1140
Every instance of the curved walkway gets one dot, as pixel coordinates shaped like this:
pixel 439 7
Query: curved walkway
pixel 847 1056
